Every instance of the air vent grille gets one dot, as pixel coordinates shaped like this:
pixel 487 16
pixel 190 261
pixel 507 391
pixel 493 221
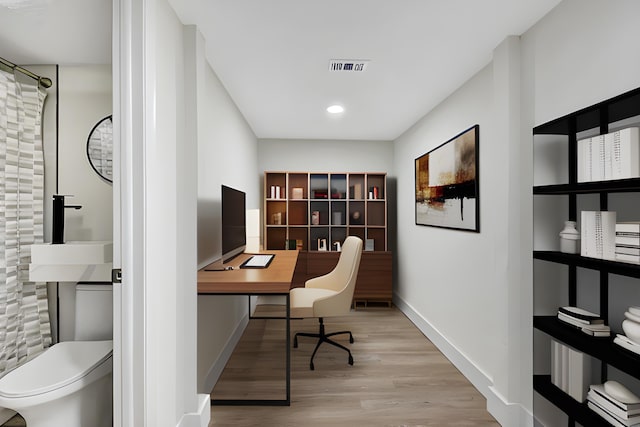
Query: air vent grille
pixel 348 65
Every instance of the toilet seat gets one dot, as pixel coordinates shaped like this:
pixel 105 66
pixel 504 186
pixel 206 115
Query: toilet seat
pixel 57 367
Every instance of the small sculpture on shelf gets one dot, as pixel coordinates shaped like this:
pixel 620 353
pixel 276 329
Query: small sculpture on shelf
pixel 570 238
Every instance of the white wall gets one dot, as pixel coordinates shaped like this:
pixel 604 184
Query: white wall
pixel 227 154
pixel 85 94
pixel 581 53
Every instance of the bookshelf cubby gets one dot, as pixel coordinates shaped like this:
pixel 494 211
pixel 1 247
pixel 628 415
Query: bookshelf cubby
pixel 562 135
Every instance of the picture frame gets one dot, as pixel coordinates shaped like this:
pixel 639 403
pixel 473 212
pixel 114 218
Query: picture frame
pixel 447 189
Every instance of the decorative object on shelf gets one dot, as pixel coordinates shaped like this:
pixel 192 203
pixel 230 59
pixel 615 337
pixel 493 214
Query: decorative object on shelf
pixel 337 218
pixel 369 245
pixel 338 246
pixel 447 187
pixel 570 238
pixel 322 244
pixel 356 218
pixel 631 330
pixel 315 218
pixel 276 218
pixel 100 148
pixel 615 403
pixel 297 193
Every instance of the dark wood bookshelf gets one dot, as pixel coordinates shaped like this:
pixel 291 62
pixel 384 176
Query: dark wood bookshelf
pixel 604 265
pixel 602 118
pixel 601 348
pixel 580 412
pixel 613 186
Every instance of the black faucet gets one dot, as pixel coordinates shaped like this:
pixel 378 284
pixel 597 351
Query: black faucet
pixel 57 237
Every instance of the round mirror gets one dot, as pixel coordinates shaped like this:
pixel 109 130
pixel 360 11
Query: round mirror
pixel 100 148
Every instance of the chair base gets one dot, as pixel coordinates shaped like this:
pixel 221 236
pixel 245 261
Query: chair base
pixel 323 337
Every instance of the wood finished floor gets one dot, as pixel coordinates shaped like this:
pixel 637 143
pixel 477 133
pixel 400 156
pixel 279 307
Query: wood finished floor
pixel 399 378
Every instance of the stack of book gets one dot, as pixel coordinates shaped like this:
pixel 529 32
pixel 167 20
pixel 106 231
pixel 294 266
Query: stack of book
pixel 589 323
pixel 628 242
pixel 616 412
pixel 615 155
pixel 570 370
pixel 598 234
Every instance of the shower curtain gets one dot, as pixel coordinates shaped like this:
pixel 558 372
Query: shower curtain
pixel 25 330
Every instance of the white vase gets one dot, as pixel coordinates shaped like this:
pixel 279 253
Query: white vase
pixel 570 238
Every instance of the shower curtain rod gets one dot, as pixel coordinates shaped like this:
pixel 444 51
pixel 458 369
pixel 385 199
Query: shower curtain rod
pixel 44 81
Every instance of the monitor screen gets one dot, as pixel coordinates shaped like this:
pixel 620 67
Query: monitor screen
pixel 234 213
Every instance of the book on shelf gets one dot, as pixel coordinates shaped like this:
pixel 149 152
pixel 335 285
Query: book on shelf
pixel 594 329
pixel 570 370
pixel 581 314
pixel 627 250
pixel 615 155
pixel 624 342
pixel 610 418
pixel 598 234
pixel 597 395
pixel 631 259
pixel 628 227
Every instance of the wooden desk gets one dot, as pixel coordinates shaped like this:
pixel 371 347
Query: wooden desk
pixel 273 280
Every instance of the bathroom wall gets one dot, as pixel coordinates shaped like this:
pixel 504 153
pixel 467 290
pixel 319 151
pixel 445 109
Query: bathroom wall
pixel 84 98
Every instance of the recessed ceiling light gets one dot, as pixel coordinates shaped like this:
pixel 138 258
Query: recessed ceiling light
pixel 335 109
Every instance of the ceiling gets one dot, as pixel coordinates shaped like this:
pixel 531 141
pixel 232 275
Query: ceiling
pixel 273 56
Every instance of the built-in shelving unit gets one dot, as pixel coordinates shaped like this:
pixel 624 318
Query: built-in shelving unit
pixel 308 210
pixel 597 119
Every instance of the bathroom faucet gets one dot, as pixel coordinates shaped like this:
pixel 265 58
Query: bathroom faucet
pixel 57 237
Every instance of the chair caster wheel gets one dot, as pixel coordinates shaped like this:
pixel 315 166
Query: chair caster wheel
pixel 311 366
pixel 350 360
pixel 295 343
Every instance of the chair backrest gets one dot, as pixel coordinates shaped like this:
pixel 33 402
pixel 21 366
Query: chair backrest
pixel 341 279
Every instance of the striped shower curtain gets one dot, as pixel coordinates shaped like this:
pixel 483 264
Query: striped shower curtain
pixel 25 330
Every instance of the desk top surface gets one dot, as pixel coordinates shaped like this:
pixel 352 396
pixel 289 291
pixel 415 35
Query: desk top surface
pixel 275 279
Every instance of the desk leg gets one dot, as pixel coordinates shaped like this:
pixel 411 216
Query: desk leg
pixel 268 402
pixel 288 341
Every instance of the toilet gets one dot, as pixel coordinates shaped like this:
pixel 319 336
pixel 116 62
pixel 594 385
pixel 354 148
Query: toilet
pixel 70 383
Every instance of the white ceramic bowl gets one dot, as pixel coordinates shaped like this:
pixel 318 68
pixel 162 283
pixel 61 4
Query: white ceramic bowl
pixel 634 317
pixel 631 330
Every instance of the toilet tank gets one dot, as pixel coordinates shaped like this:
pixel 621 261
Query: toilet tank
pixel 94 312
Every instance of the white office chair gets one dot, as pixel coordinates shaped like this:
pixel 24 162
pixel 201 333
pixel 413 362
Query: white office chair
pixel 329 295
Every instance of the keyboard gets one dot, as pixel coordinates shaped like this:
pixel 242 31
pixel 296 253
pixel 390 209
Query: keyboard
pixel 258 261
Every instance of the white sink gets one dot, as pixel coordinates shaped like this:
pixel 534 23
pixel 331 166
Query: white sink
pixel 71 262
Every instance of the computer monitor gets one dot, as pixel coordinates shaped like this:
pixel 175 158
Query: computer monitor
pixel 234 227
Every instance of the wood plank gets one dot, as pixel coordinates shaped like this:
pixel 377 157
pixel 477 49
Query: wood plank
pixel 398 378
pixel 274 279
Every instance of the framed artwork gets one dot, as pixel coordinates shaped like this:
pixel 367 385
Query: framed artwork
pixel 447 188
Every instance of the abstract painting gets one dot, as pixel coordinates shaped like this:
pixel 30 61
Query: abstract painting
pixel 447 189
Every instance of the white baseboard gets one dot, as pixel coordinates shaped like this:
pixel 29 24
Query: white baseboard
pixel 200 418
pixel 217 367
pixel 507 414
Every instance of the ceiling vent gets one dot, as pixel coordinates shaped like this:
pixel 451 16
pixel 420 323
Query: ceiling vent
pixel 348 65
